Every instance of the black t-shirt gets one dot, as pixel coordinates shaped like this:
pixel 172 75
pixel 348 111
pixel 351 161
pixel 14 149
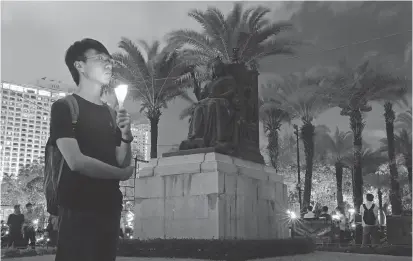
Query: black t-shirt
pixel 15 222
pixel 98 139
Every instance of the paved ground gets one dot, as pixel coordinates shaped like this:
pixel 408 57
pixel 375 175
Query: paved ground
pixel 317 256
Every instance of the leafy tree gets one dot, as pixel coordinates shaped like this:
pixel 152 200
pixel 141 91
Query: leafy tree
pixel 26 187
pixel 298 95
pixel 371 159
pixel 151 80
pixel 248 32
pixel 338 146
pixel 272 118
pixel 353 90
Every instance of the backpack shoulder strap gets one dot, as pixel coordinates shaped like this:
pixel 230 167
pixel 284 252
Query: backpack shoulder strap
pixel 364 206
pixel 113 115
pixel 372 207
pixel 74 107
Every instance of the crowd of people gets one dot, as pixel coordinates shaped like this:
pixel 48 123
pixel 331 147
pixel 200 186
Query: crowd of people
pixel 370 220
pixel 23 227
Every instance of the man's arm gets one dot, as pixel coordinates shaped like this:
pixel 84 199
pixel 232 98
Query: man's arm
pixel 123 132
pixel 86 165
pixel 124 154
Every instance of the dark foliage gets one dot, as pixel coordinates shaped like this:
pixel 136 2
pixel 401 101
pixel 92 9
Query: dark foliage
pixel 214 249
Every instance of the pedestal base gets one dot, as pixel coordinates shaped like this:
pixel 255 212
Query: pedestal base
pixel 209 195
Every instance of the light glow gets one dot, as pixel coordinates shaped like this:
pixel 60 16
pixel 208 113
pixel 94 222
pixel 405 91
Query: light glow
pixel 291 214
pixel 121 92
pixel 351 210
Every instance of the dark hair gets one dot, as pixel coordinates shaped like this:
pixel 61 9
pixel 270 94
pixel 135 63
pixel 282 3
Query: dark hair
pixel 16 206
pixel 310 208
pixel 76 52
pixel 29 205
pixel 325 209
pixel 369 197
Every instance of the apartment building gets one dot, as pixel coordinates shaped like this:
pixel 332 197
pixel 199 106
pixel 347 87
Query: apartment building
pixel 142 139
pixel 24 121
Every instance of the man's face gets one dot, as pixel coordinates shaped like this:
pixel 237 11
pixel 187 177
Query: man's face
pixel 29 208
pixel 17 210
pixel 97 67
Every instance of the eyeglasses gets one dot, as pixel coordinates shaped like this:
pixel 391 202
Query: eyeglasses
pixel 101 58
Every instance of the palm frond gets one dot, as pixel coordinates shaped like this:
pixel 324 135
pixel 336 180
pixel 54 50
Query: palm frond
pixel 135 55
pixel 404 120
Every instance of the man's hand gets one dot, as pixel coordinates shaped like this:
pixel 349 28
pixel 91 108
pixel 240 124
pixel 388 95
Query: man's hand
pixel 126 173
pixel 124 122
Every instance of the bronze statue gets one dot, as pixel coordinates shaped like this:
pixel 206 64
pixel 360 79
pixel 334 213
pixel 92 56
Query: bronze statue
pixel 213 120
pixel 225 119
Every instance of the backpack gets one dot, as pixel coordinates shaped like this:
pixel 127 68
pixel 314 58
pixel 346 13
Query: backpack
pixel 368 217
pixel 54 160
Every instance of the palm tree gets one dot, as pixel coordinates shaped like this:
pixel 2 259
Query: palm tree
pixel 404 120
pixel 321 150
pixel 403 140
pixel 354 89
pixel 371 159
pixel 247 33
pixel 339 147
pixel 151 80
pixel 403 146
pixel 298 95
pixel 272 118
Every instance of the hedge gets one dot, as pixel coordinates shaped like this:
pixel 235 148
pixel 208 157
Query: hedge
pixel 380 250
pixel 231 250
pixel 16 252
pixel 214 249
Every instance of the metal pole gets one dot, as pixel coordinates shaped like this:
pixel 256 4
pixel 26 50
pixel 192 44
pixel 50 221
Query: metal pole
pixel 298 167
pixel 136 164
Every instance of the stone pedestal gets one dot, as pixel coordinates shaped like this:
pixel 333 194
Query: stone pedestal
pixel 209 195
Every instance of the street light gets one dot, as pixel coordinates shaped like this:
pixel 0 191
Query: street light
pixel 298 165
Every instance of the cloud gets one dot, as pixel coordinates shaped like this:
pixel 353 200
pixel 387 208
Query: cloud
pixel 375 133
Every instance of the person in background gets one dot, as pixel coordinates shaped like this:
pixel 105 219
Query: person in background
pixel 29 226
pixel 370 221
pixel 52 229
pixel 324 213
pixel 15 223
pixel 310 213
pixel 342 223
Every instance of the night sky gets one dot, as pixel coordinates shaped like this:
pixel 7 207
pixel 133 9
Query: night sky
pixel 35 36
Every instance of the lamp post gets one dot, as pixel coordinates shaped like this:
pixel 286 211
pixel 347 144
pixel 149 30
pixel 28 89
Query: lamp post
pixel 136 163
pixel 298 165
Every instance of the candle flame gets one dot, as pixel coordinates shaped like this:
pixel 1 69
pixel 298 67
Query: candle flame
pixel 121 92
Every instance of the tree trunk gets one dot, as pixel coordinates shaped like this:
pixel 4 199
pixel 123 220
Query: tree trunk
pixel 307 135
pixel 154 136
pixel 395 198
pixel 273 149
pixel 408 164
pixel 339 180
pixel 380 194
pixel 357 126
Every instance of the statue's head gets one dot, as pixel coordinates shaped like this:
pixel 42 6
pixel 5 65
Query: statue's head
pixel 218 68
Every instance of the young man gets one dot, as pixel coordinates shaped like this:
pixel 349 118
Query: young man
pixel 310 213
pixel 324 213
pixel 369 213
pixel 28 226
pixel 97 156
pixel 15 223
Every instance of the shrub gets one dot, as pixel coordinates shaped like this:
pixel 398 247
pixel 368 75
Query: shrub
pixel 39 251
pixel 381 250
pixel 214 249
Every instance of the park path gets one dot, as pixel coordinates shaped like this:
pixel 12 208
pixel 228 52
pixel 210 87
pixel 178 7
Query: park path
pixel 316 256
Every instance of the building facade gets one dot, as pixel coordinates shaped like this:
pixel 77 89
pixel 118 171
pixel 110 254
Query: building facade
pixel 141 142
pixel 24 121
